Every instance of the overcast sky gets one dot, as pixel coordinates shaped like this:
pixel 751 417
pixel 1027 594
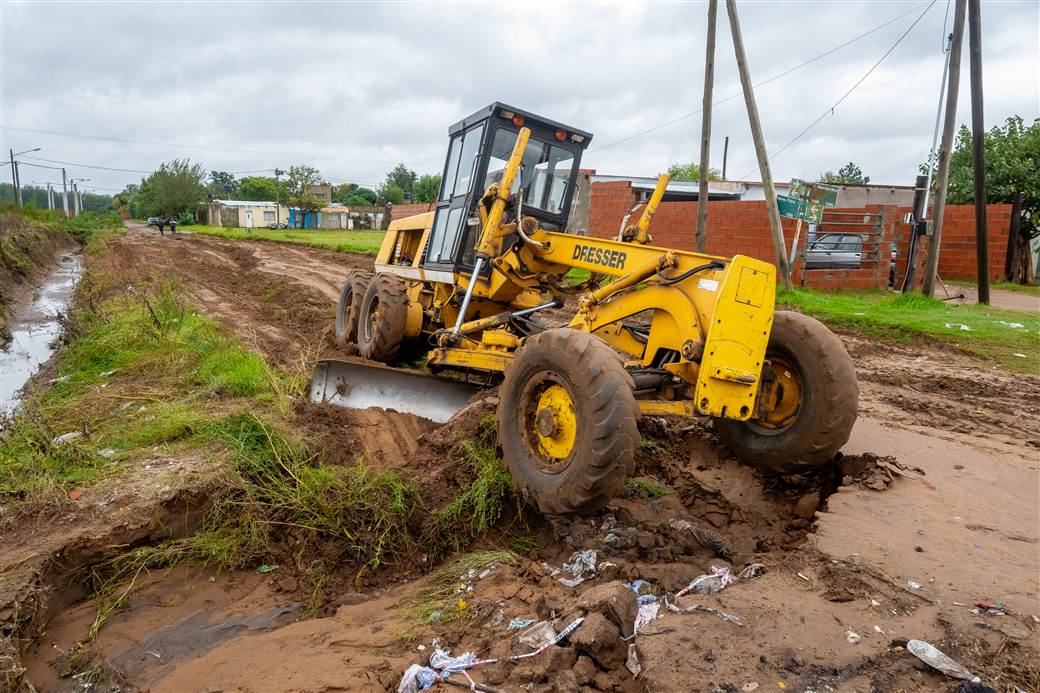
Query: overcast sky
pixel 353 88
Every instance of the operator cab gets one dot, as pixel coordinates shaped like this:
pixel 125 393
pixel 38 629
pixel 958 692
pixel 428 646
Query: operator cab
pixel 477 154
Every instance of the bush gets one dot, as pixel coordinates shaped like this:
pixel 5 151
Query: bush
pixel 185 218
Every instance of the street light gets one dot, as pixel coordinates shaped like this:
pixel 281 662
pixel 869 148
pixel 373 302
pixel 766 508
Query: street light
pixel 14 174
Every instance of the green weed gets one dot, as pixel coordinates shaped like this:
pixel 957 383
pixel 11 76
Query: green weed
pixel 639 487
pixel 446 598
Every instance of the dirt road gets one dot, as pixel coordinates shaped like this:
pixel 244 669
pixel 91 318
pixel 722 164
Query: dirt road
pixel 901 548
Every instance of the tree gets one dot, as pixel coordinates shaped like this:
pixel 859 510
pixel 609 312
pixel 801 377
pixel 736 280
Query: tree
pixel 299 179
pixel 692 172
pixel 177 187
pixel 351 194
pixel 403 177
pixel 1012 164
pixel 220 181
pixel 426 188
pixel 390 193
pixel 258 189
pixel 849 174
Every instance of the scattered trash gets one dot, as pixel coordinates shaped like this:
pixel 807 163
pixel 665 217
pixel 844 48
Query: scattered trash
pixel 266 568
pixel 705 536
pixel 154 654
pixel 752 571
pixel 959 326
pixel 421 647
pixel 582 564
pixel 1023 356
pixel 647 612
pixel 748 687
pixel 105 374
pixel 632 662
pixel 934 658
pixel 1012 325
pixel 710 656
pixel 636 585
pixel 559 638
pixel 853 637
pixel 804 577
pixel 991 608
pixel 877 629
pixel 914 585
pixel 711 583
pixel 108 452
pixel 417 678
pixel 62 379
pixel 874 603
pixel 725 616
pixel 517 623
pixel 74 495
pixel 538 635
pixel 781 684
pixel 67 437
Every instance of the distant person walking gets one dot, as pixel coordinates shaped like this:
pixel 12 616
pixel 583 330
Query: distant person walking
pixel 173 227
pixel 162 226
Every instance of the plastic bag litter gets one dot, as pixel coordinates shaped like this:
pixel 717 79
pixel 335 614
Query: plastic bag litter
pixel 753 570
pixel 934 658
pixel 445 663
pixel 517 623
pixel 632 661
pixel 417 678
pixel 538 634
pixel 715 581
pixel 636 585
pixel 648 609
pixel 580 565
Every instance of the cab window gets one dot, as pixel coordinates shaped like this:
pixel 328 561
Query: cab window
pixel 546 170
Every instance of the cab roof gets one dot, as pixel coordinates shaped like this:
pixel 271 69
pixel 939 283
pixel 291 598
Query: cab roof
pixel 497 107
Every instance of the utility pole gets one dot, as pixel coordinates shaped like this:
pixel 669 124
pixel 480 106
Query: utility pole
pixel 64 194
pixel 978 142
pixel 75 200
pixel 725 155
pixel 14 179
pixel 942 176
pixel 709 83
pixel 760 147
pixel 50 196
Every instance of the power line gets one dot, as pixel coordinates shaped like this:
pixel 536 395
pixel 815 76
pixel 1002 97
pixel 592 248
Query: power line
pixel 204 146
pixel 762 83
pixel 844 96
pixel 103 168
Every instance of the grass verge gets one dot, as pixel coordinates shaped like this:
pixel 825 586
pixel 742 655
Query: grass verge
pixel 363 242
pixel 1010 338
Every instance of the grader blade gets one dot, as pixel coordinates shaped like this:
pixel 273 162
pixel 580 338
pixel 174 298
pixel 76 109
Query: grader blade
pixel 361 385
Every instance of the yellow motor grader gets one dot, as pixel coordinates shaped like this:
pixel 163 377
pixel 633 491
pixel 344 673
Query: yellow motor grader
pixel 583 335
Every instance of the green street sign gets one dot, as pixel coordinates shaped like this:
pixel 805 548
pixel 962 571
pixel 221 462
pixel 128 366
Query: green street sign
pixel 827 195
pixel 813 212
pixel 790 207
pixel 798 189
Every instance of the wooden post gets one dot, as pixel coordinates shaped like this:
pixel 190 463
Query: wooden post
pixel 709 84
pixel 942 177
pixel 1012 243
pixel 978 141
pixel 760 147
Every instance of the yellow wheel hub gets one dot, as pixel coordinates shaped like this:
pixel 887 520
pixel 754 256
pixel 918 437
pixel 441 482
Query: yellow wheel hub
pixel 555 424
pixel 786 394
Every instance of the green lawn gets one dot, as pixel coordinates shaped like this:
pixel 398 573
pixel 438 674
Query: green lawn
pixel 364 242
pixel 1011 338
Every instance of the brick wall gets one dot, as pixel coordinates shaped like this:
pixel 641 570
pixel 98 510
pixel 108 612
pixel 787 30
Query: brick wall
pixel 408 210
pixel 742 227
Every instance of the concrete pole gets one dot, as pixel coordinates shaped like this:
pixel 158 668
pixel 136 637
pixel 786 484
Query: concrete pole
pixel 942 176
pixel 14 179
pixel 50 196
pixel 760 147
pixel 64 194
pixel 709 84
pixel 75 201
pixel 978 142
pixel 17 184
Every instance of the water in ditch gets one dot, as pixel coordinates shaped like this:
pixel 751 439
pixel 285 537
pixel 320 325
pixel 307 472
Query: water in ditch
pixel 34 325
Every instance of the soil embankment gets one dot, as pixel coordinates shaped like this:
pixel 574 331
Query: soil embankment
pixel 28 249
pixel 932 511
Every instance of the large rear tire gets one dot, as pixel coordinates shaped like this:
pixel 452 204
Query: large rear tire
pixel 567 421
pixel 349 309
pixel 814 402
pixel 383 317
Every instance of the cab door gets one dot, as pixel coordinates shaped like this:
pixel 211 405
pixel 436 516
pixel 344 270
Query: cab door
pixel 456 199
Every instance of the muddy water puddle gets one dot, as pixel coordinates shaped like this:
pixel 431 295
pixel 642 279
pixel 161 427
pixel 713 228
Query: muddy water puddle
pixel 33 328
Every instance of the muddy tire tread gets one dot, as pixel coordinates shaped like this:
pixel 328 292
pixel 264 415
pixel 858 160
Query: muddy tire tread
pixel 346 325
pixel 388 332
pixel 599 472
pixel 831 415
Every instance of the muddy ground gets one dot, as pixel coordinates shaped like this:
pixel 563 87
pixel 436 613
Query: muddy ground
pixel 933 510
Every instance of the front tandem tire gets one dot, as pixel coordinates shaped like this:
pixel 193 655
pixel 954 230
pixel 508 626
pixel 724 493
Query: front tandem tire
pixel 814 405
pixel 567 421
pixel 383 318
pixel 349 309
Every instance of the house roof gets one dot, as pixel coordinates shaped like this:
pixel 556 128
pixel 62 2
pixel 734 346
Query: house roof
pixel 245 203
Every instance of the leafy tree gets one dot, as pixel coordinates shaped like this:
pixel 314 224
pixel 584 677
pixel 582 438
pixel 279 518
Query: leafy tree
pixel 258 188
pixel 391 193
pixel 296 184
pixel 403 177
pixel 849 174
pixel 692 171
pixel 353 194
pixel 220 181
pixel 426 188
pixel 178 186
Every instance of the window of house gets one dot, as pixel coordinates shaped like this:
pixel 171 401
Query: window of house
pixel 269 216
